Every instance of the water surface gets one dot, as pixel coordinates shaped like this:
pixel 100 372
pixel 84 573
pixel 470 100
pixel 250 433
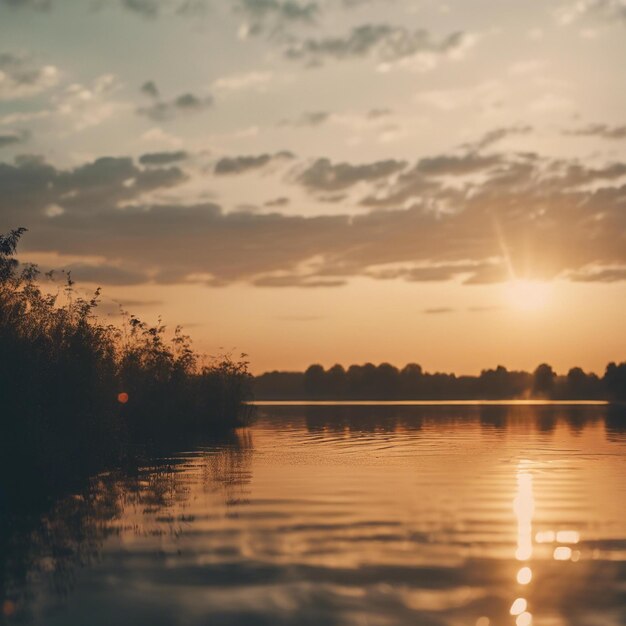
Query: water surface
pixel 368 515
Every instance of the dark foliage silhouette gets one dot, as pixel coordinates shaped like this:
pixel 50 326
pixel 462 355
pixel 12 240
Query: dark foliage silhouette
pixel 76 393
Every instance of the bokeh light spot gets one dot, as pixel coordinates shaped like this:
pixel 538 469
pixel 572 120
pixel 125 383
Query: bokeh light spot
pixel 524 576
pixel 8 608
pixel 122 397
pixel 519 606
pixel 562 553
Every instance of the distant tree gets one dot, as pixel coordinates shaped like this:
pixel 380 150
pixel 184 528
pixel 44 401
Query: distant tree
pixel 336 381
pixel 411 377
pixel 580 385
pixel 387 381
pixel 314 381
pixel 615 381
pixel 495 383
pixel 543 380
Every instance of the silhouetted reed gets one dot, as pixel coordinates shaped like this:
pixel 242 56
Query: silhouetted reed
pixel 77 392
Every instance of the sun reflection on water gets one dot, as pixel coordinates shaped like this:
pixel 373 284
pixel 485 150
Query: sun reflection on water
pixel 524 509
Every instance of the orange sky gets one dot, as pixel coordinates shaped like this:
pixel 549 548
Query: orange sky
pixel 330 181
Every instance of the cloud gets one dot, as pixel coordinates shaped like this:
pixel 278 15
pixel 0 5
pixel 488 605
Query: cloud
pixel 150 89
pixel 20 78
pixel 296 280
pixel 600 130
pixel 105 274
pixel 496 135
pixel 274 16
pixel 13 138
pixel 447 165
pixel 608 275
pixel 89 105
pixel 39 5
pixel 387 44
pixel 278 202
pixel 311 118
pixel 163 110
pixel 323 175
pixel 241 164
pixel 242 82
pixel 535 217
pixel 607 10
pixel 147 8
pixel 438 310
pixel 101 185
pixel 162 158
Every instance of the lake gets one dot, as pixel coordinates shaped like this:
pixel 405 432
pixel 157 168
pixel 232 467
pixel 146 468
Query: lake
pixel 345 515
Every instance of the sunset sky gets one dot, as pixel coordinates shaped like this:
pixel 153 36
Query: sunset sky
pixel 330 180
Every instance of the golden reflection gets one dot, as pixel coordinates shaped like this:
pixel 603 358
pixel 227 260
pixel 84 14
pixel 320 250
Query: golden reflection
pixel 519 606
pixel 547 536
pixel 562 553
pixel 524 507
pixel 524 576
pixel 567 536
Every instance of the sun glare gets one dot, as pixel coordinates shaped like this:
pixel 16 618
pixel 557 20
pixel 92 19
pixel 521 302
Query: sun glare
pixel 528 295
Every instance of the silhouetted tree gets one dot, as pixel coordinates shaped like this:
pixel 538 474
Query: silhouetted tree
pixel 615 381
pixel 543 381
pixel 336 383
pixel 314 381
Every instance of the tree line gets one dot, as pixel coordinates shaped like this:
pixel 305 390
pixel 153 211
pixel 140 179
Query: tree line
pixel 387 382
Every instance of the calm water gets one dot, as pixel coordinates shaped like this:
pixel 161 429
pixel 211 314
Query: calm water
pixel 327 515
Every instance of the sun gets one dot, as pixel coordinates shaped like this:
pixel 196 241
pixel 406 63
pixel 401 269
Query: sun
pixel 528 295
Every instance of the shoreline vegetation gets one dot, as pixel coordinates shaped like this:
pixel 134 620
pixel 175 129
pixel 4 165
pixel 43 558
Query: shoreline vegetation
pixel 385 382
pixel 79 396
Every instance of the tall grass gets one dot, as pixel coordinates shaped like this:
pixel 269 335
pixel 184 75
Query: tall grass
pixel 73 388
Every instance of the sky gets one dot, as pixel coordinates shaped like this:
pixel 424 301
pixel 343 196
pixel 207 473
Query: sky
pixel 329 180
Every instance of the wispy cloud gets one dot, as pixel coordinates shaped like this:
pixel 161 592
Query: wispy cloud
pixel 20 77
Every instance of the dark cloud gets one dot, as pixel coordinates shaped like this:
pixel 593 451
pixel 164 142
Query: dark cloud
pixel 445 165
pixel 493 136
pixel 105 274
pixel 438 310
pixel 163 110
pixel 526 213
pixel 273 16
pixel 323 175
pixel 162 158
pixel 423 180
pixel 31 186
pixel 241 164
pixel 382 41
pixel 278 202
pixel 600 130
pixel 149 88
pixel 13 138
pixel 38 5
pixel 297 280
pixel 147 8
pixel 311 118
